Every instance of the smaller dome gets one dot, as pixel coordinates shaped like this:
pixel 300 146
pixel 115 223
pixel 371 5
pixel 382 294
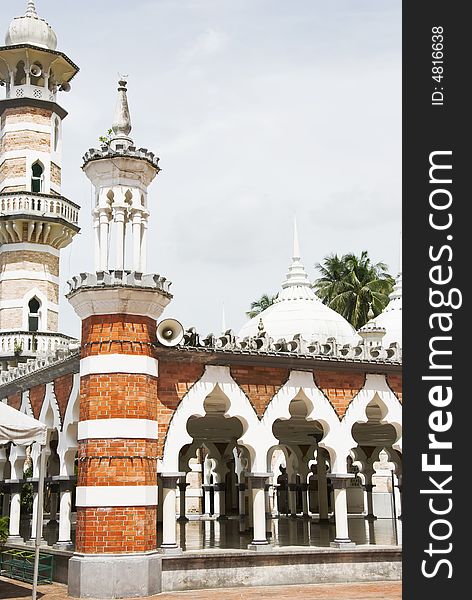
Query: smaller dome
pixel 31 29
pixel 390 319
pixel 298 311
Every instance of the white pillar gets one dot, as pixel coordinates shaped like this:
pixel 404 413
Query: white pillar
pixel 119 218
pixel 15 514
pixel 304 488
pixel 207 498
pixel 96 230
pixel 104 229
pixel 340 482
pixel 169 534
pixel 258 483
pixel 275 501
pixel 65 520
pixel 34 518
pixel 136 240
pixel 322 486
pixel 144 227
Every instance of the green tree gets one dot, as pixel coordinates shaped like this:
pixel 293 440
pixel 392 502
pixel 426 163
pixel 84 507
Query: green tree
pixel 259 305
pixel 3 530
pixel 352 284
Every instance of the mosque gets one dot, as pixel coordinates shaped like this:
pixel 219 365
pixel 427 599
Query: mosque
pixel 177 460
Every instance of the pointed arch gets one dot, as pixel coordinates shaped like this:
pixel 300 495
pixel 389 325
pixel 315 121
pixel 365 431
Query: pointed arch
pixel 375 389
pixel 255 437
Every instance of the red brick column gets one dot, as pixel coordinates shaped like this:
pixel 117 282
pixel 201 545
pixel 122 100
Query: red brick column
pixel 123 462
pixel 116 494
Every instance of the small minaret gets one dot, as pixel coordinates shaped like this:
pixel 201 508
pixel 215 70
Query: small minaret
pixel 36 221
pixel 119 306
pixel 121 175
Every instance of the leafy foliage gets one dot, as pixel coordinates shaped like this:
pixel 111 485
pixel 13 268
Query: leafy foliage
pixel 352 284
pixel 3 530
pixel 27 493
pixel 259 305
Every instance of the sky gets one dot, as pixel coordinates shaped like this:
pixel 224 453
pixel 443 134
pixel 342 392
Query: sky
pixel 259 110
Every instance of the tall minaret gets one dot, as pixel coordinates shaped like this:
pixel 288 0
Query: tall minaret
pixel 119 305
pixel 36 221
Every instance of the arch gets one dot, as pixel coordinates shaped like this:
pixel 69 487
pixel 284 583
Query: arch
pixel 39 296
pixel 20 73
pixel 34 306
pixel 68 444
pixel 375 388
pixel 318 407
pixel 255 437
pixel 37 177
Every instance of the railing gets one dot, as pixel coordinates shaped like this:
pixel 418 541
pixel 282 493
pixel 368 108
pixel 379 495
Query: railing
pixel 44 205
pixel 23 343
pixel 31 91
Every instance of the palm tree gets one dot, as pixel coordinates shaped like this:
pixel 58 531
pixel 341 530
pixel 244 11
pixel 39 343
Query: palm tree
pixel 351 285
pixel 259 305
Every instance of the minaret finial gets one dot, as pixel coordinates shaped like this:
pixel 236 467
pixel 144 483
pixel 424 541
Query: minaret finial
pixel 31 9
pixel 122 122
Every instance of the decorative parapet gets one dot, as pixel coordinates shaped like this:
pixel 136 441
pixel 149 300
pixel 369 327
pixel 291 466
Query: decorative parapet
pixel 106 151
pixel 113 279
pixel 39 205
pixel 263 344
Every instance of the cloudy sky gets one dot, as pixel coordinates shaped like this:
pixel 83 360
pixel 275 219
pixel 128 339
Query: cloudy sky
pixel 258 109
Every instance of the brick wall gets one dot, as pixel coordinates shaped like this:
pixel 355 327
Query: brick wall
pixel 260 384
pixel 62 390
pixel 116 530
pixel 36 398
pixel 339 387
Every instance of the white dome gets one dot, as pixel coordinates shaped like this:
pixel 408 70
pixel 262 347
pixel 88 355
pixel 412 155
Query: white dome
pixel 31 29
pixel 391 318
pixel 298 310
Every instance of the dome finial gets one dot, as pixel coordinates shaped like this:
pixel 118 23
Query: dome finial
pixel 122 122
pixel 296 276
pixel 31 9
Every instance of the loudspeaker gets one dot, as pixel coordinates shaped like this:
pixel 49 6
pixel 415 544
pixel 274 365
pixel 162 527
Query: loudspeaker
pixel 35 70
pixel 170 332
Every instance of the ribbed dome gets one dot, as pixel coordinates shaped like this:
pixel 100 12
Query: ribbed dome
pixel 298 310
pixel 31 29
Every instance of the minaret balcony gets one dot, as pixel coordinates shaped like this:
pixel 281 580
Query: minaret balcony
pixel 49 219
pixel 26 344
pixel 31 91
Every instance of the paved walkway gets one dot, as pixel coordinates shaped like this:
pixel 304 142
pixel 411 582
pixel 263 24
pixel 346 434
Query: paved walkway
pixel 12 590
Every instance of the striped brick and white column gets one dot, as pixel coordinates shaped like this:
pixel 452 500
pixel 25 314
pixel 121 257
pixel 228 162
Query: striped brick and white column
pixel 116 494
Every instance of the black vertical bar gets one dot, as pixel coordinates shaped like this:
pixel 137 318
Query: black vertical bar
pixel 436 263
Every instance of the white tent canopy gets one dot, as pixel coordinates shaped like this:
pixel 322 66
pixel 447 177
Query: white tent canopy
pixel 23 430
pixel 19 428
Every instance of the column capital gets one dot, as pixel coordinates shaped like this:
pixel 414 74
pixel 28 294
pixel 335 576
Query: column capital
pixel 340 481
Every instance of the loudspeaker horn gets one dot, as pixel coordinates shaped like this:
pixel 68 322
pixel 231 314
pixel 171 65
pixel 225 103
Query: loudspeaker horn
pixel 35 71
pixel 170 332
pixel 65 87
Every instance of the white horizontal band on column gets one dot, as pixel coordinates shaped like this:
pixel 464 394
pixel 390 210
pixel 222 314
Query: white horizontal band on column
pixel 119 363
pixel 116 495
pixel 117 428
